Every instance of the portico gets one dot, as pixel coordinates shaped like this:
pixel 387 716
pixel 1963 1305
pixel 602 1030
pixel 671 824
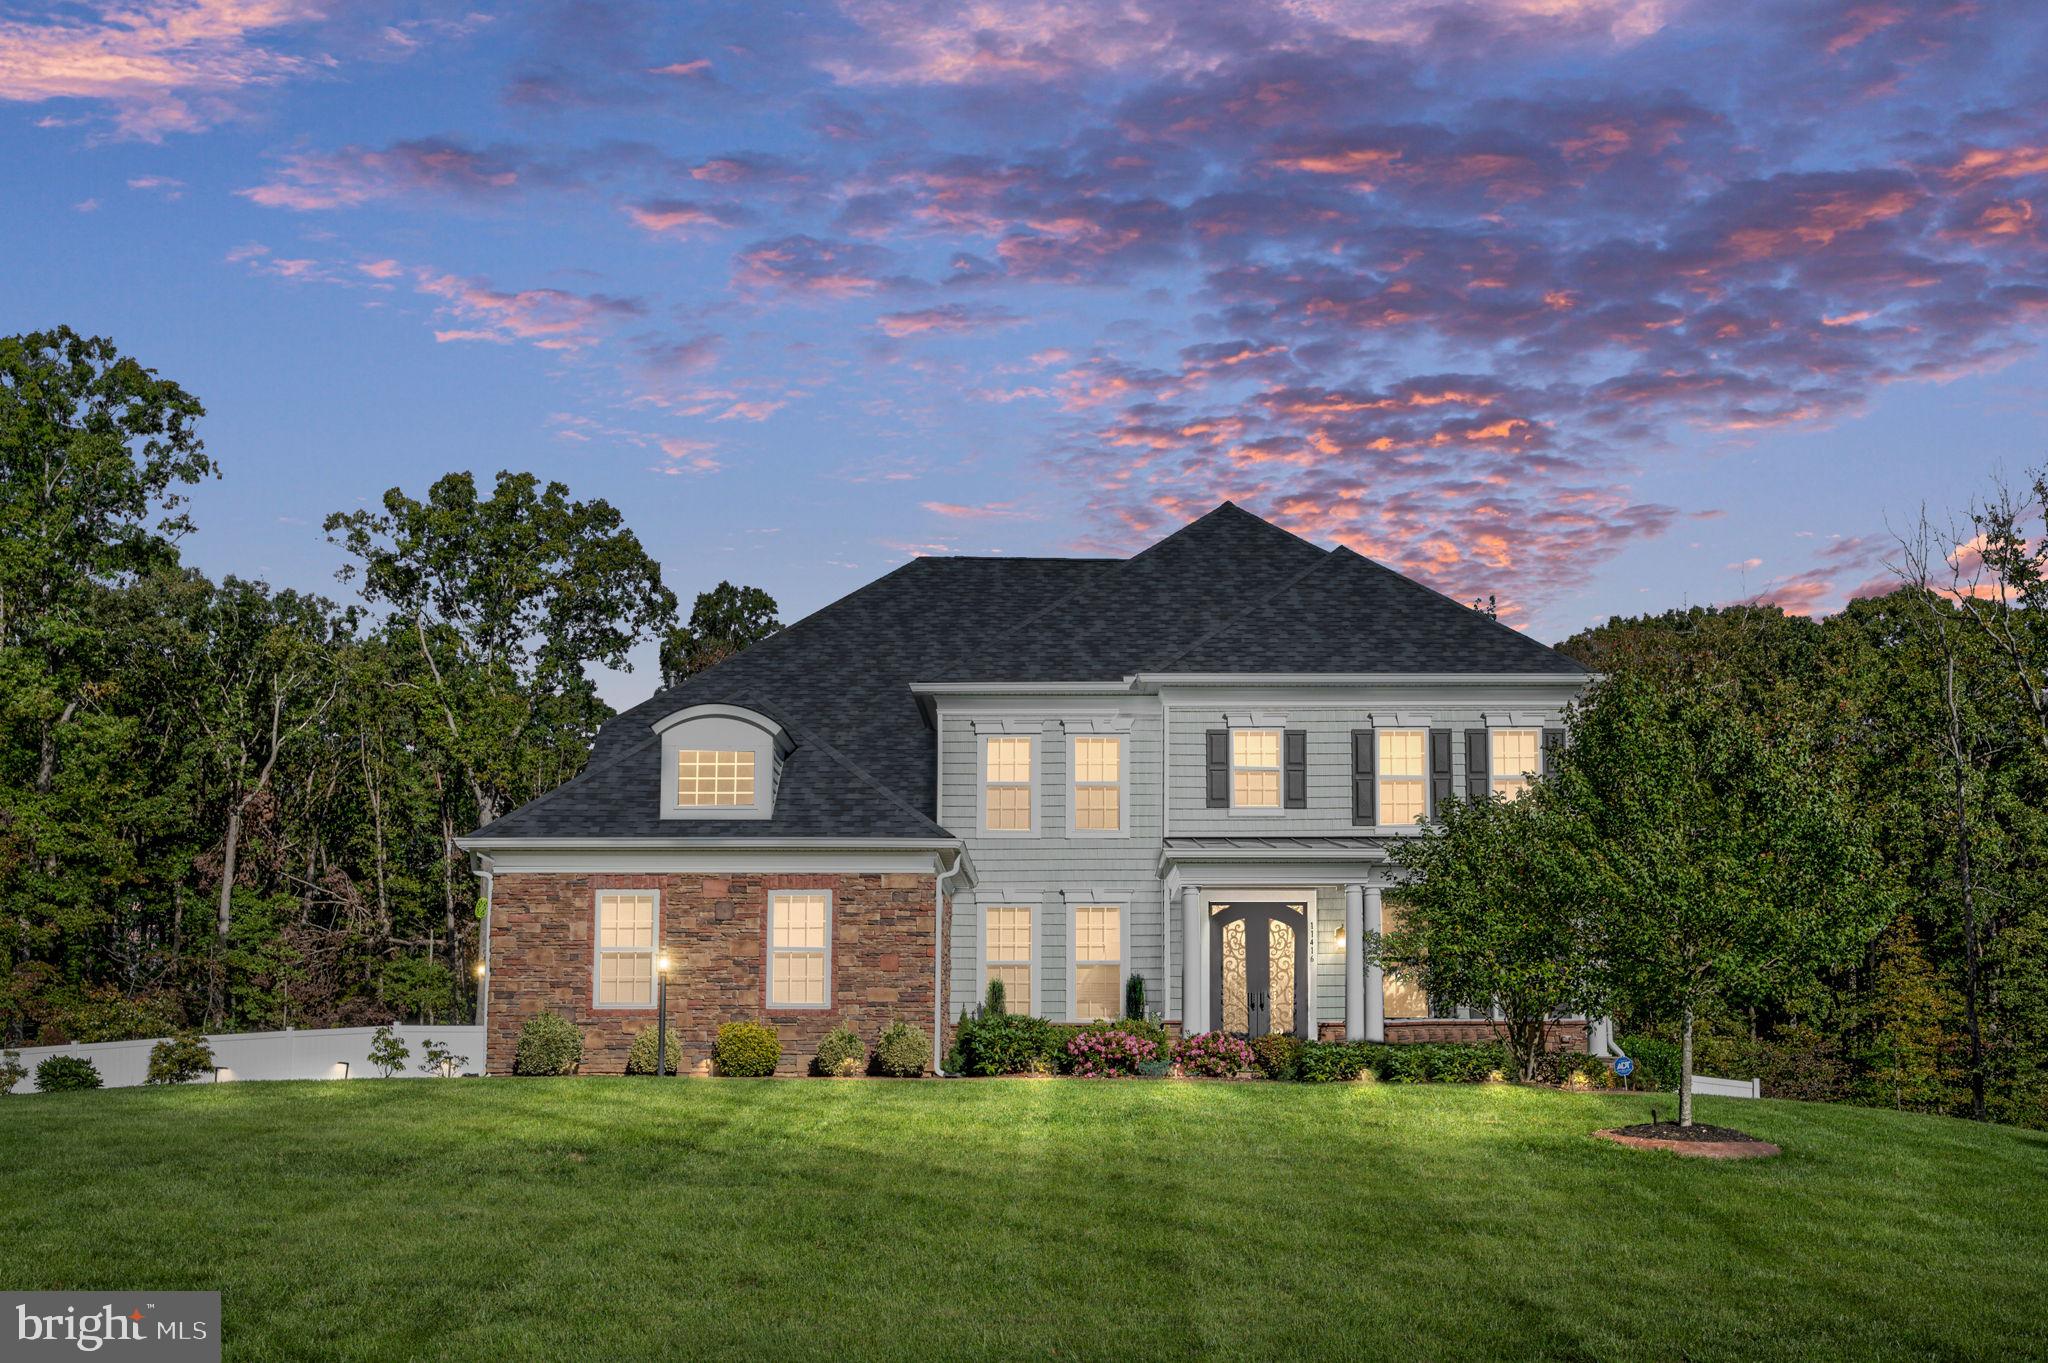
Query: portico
pixel 1237 908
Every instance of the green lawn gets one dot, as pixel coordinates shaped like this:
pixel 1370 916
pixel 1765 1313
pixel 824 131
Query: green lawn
pixel 625 1219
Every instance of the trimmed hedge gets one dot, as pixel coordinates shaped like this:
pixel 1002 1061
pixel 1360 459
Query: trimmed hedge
pixel 1278 1054
pixel 746 1050
pixel 1332 1062
pixel 841 1054
pixel 548 1044
pixel 1656 1061
pixel 902 1051
pixel 1009 1043
pixel 642 1058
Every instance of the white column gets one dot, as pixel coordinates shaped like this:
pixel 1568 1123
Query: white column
pixel 1354 962
pixel 1194 989
pixel 1375 980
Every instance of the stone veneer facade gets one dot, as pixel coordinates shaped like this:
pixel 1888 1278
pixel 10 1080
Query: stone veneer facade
pixel 714 927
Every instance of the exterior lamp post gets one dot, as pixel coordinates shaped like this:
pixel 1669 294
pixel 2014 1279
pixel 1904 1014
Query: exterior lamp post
pixel 661 1016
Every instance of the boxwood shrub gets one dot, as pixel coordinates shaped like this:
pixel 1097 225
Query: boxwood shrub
pixel 1333 1062
pixel 1009 1043
pixel 746 1050
pixel 548 1044
pixel 842 1053
pixel 902 1051
pixel 66 1074
pixel 642 1058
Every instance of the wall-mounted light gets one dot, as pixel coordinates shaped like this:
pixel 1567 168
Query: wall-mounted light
pixel 1340 939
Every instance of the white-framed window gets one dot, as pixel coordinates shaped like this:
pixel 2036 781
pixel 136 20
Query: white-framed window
pixel 1098 807
pixel 1255 769
pixel 1009 797
pixel 1006 954
pixel 628 926
pixel 1515 760
pixel 800 949
pixel 1098 932
pixel 1401 996
pixel 711 778
pixel 1403 766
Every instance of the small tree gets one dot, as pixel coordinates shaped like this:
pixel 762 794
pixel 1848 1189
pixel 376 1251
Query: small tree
pixel 180 1059
pixel 1717 860
pixel 388 1052
pixel 1134 996
pixel 441 1060
pixel 993 1004
pixel 1493 915
pixel 12 1071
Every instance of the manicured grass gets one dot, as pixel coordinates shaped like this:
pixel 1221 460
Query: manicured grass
pixel 627 1219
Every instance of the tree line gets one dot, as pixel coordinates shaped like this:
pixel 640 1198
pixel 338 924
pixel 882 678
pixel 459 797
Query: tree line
pixel 231 806
pixel 1814 851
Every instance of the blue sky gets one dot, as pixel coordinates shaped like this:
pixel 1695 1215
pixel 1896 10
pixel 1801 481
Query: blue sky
pixel 1594 306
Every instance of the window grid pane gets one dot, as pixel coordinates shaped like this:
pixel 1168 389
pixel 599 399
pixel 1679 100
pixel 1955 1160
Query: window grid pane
pixel 709 778
pixel 1009 808
pixel 1401 752
pixel 1095 992
pixel 799 929
pixel 1096 933
pixel 1097 808
pixel 799 978
pixel 1514 757
pixel 1009 935
pixel 1255 747
pixel 800 921
pixel 1402 801
pixel 1097 760
pixel 1258 789
pixel 1009 760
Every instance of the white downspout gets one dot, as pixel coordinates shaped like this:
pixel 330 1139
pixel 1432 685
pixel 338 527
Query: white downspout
pixel 939 960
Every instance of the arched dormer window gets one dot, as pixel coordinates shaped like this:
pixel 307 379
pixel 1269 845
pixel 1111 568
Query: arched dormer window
pixel 720 762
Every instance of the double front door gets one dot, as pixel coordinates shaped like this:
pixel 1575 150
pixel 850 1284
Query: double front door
pixel 1258 980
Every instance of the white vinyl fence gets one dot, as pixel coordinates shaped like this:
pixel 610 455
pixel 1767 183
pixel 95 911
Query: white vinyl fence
pixel 335 1053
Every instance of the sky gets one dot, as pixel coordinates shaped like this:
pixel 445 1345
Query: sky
pixel 1592 307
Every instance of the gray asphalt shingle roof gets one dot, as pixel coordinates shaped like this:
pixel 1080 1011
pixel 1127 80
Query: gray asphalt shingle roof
pixel 1227 593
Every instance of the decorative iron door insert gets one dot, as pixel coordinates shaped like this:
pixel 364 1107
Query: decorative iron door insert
pixel 1259 980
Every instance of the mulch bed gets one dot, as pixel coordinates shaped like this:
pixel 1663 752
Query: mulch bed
pixel 1698 1140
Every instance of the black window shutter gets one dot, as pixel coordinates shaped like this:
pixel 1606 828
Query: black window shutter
pixel 1219 768
pixel 1363 806
pixel 1294 768
pixel 1553 742
pixel 1440 787
pixel 1476 751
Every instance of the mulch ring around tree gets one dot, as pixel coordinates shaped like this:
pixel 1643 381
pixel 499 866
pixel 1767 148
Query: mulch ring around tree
pixel 1699 1140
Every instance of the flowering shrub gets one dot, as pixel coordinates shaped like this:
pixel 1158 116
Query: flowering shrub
pixel 1108 1053
pixel 1214 1055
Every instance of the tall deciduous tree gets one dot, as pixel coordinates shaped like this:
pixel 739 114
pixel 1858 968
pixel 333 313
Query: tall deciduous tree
pixel 1720 864
pixel 1493 915
pixel 724 621
pixel 507 599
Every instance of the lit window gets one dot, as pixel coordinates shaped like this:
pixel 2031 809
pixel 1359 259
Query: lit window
pixel 625 949
pixel 1008 954
pixel 1098 785
pixel 707 777
pixel 1008 799
pixel 1515 760
pixel 1403 776
pixel 799 954
pixel 1098 961
pixel 1255 768
pixel 1402 997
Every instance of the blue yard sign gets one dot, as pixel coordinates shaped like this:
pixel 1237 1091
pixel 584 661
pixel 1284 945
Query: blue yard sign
pixel 1624 1066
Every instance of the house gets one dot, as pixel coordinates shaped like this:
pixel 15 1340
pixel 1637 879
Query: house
pixel 1187 766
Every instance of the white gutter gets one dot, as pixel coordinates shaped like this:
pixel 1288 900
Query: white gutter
pixel 1174 856
pixel 939 960
pixel 720 844
pixel 1149 682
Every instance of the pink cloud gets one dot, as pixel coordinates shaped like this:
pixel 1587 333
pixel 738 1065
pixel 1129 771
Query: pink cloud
pixel 553 319
pixel 948 319
pixel 987 511
pixel 352 176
